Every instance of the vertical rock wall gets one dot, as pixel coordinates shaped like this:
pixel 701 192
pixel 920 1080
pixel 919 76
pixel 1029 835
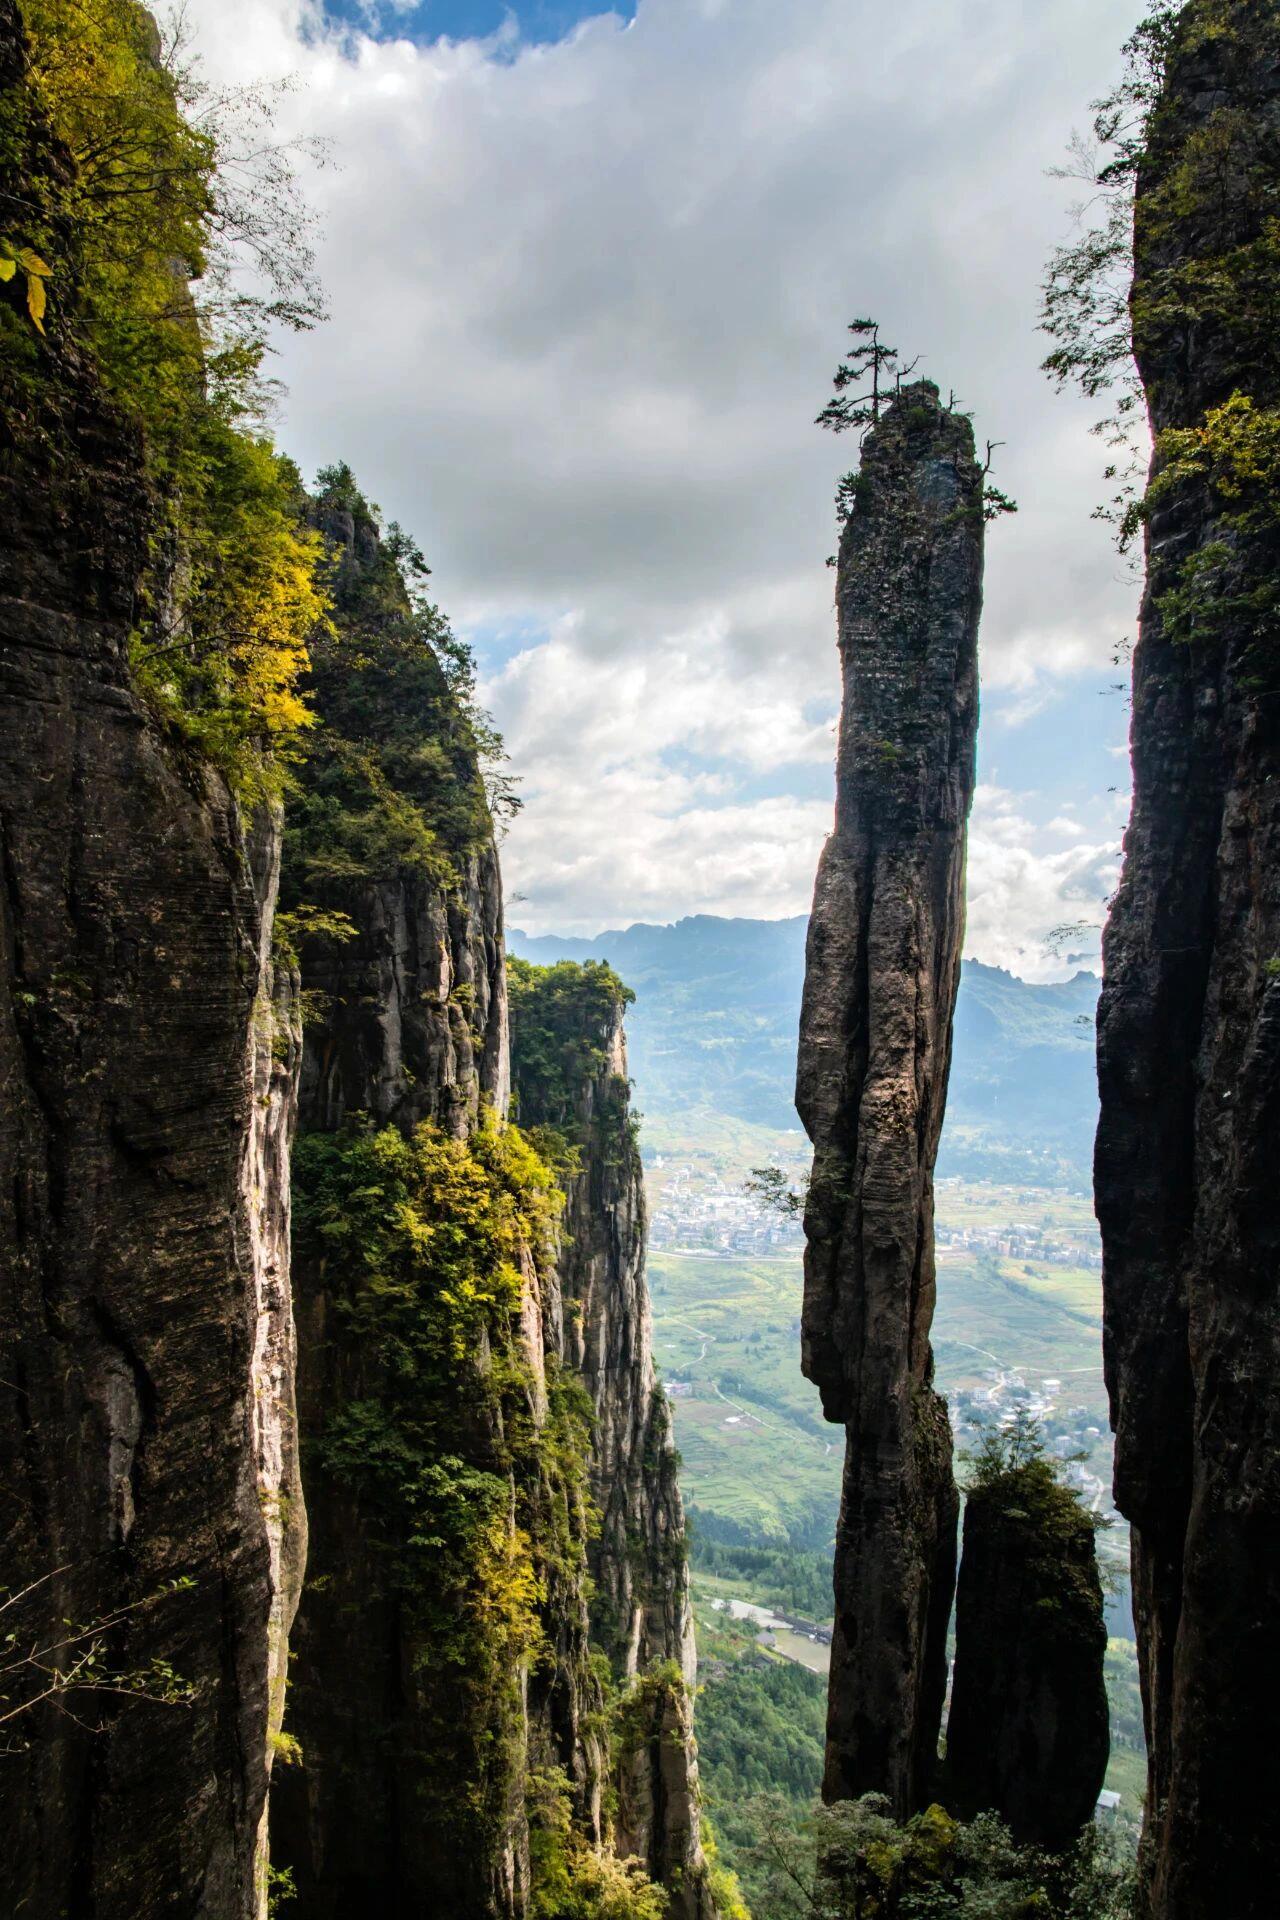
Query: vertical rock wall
pixel 640 1612
pixel 394 1043
pixel 882 970
pixel 414 1786
pixel 1027 1733
pixel 146 1090
pixel 1189 1020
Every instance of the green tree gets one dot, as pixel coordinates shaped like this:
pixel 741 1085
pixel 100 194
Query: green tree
pixel 147 198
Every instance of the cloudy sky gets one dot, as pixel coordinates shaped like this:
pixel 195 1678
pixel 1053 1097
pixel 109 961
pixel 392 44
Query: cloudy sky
pixel 588 276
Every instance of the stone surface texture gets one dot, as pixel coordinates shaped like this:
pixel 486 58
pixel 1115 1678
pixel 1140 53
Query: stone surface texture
pixel 882 970
pixel 147 1073
pixel 1189 1068
pixel 1027 1730
pixel 640 1611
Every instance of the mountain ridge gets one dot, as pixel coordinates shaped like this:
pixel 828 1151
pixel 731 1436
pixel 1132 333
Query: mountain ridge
pixel 717 1016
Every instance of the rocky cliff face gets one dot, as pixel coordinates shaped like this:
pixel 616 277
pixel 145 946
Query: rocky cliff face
pixel 1027 1733
pixel 882 971
pixel 363 1818
pixel 440 1675
pixel 147 1064
pixel 570 1020
pixel 1189 1021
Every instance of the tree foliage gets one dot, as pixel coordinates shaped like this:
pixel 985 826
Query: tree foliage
pixel 50 1664
pixel 572 1880
pixel 394 776
pixel 851 1861
pixel 877 368
pixel 773 1192
pixel 1204 237
pixel 870 363
pixel 562 1021
pixel 1085 306
pixel 172 238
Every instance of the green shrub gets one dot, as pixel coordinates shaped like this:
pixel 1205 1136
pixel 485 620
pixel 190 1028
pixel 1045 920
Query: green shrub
pixel 166 185
pixel 852 1861
pixel 562 1017
pixel 475 1508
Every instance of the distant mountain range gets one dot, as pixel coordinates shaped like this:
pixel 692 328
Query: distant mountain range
pixel 718 1007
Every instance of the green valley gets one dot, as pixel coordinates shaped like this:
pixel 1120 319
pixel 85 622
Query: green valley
pixel 1018 1321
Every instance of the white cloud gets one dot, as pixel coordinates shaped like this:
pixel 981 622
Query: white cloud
pixel 586 300
pixel 1019 889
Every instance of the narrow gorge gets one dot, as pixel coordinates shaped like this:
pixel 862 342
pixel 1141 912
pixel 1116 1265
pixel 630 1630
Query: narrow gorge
pixel 484 1704
pixel 344 1560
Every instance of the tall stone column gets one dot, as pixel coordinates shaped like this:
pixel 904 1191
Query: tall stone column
pixel 882 969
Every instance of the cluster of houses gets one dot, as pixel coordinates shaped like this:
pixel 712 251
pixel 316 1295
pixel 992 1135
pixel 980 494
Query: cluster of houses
pixel 1020 1240
pixel 704 1214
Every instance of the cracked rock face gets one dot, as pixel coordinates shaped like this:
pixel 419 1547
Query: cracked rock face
pixel 882 969
pixel 1189 1071
pixel 394 1045
pixel 145 1334
pixel 640 1611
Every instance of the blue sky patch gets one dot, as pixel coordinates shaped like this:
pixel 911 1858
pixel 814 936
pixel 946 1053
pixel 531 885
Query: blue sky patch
pixel 539 20
pixel 1069 752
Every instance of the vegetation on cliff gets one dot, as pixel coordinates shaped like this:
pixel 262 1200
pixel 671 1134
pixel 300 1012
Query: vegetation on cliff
pixel 425 1244
pixel 572 1880
pixel 404 770
pixel 159 184
pixel 1027 1733
pixel 853 1861
pixel 562 1017
pixel 1206 234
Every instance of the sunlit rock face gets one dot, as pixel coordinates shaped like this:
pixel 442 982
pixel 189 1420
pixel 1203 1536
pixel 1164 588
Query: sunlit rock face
pixel 1189 1020
pixel 640 1611
pixel 882 971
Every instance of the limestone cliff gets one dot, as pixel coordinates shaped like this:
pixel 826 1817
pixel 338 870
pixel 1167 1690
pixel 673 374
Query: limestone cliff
pixel 147 1069
pixel 1189 1020
pixel 569 1072
pixel 440 1685
pixel 1027 1731
pixel 882 969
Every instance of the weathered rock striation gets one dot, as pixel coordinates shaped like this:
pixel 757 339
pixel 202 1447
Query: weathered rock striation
pixel 1189 1020
pixel 569 1071
pixel 882 971
pixel 440 1680
pixel 147 1071
pixel 1027 1731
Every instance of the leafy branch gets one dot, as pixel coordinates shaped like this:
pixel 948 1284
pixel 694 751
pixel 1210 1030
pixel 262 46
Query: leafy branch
pixel 59 1665
pixel 37 271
